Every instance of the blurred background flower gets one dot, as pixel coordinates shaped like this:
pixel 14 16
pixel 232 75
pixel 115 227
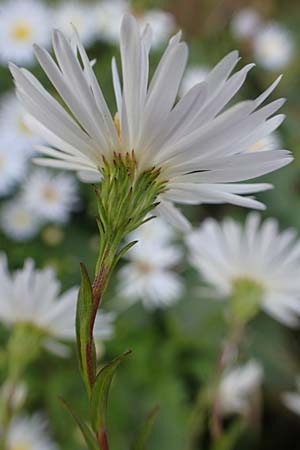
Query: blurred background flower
pixel 172 323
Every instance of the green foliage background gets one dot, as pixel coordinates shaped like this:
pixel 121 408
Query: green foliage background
pixel 174 351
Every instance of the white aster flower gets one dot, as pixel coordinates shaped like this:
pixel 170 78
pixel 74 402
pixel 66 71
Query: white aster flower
pixel 18 222
pixel 29 433
pixel 71 14
pixel 22 22
pixel 108 18
pixel 273 47
pixel 148 275
pixel 161 22
pixel 245 23
pixel 24 300
pixel 238 388
pixel 50 196
pixel 13 123
pixel 228 253
pixel 197 148
pixel 12 163
pixel 292 399
pixel 193 76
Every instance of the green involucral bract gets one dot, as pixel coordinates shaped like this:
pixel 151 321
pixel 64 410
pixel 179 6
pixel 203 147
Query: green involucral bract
pixel 246 300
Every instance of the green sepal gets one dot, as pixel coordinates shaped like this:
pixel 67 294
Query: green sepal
pixel 87 433
pixel 83 314
pixel 100 392
pixel 143 435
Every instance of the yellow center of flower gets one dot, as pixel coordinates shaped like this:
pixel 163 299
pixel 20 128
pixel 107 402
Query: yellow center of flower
pixel 23 127
pixel 21 31
pixel 50 194
pixel 144 267
pixel 21 446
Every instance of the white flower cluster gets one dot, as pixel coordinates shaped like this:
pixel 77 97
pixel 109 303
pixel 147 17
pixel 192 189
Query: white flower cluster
pixel 271 42
pixel 149 274
pixel 24 301
pixel 24 22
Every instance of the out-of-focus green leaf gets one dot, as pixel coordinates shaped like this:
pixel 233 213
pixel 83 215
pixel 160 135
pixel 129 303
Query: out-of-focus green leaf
pixel 85 430
pixel 84 308
pixel 143 435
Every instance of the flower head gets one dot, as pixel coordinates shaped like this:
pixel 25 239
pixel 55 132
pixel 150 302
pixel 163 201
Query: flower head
pixel 245 23
pixel 73 13
pixel 197 150
pixel 13 124
pixel 238 386
pixel 24 301
pixel 263 260
pixel 18 222
pixel 50 197
pixel 148 275
pixel 292 399
pixel 273 47
pixel 12 163
pixel 22 22
pixel 29 433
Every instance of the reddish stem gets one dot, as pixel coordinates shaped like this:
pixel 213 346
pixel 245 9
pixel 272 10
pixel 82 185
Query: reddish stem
pixel 102 439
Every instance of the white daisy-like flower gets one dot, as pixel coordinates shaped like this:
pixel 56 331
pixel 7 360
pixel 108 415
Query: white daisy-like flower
pixel 238 388
pixel 193 76
pixel 50 196
pixel 22 22
pixel 108 17
pixel 18 222
pixel 24 300
pixel 71 14
pixel 13 123
pixel 196 148
pixel 29 433
pixel 12 163
pixel 161 22
pixel 148 275
pixel 292 399
pixel 273 46
pixel 228 253
pixel 245 23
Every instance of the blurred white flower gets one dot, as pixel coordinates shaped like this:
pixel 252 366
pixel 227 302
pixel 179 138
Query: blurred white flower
pixel 14 394
pixel 24 300
pixel 245 23
pixel 194 144
pixel 238 388
pixel 50 196
pixel 273 46
pixel 29 433
pixel 148 275
pixel 13 123
pixel 161 22
pixel 292 399
pixel 22 23
pixel 193 75
pixel 108 17
pixel 80 15
pixel 228 253
pixel 12 163
pixel 18 222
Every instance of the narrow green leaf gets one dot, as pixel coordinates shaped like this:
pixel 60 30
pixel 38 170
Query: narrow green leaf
pixel 143 435
pixel 229 437
pixel 100 392
pixel 87 433
pixel 84 307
